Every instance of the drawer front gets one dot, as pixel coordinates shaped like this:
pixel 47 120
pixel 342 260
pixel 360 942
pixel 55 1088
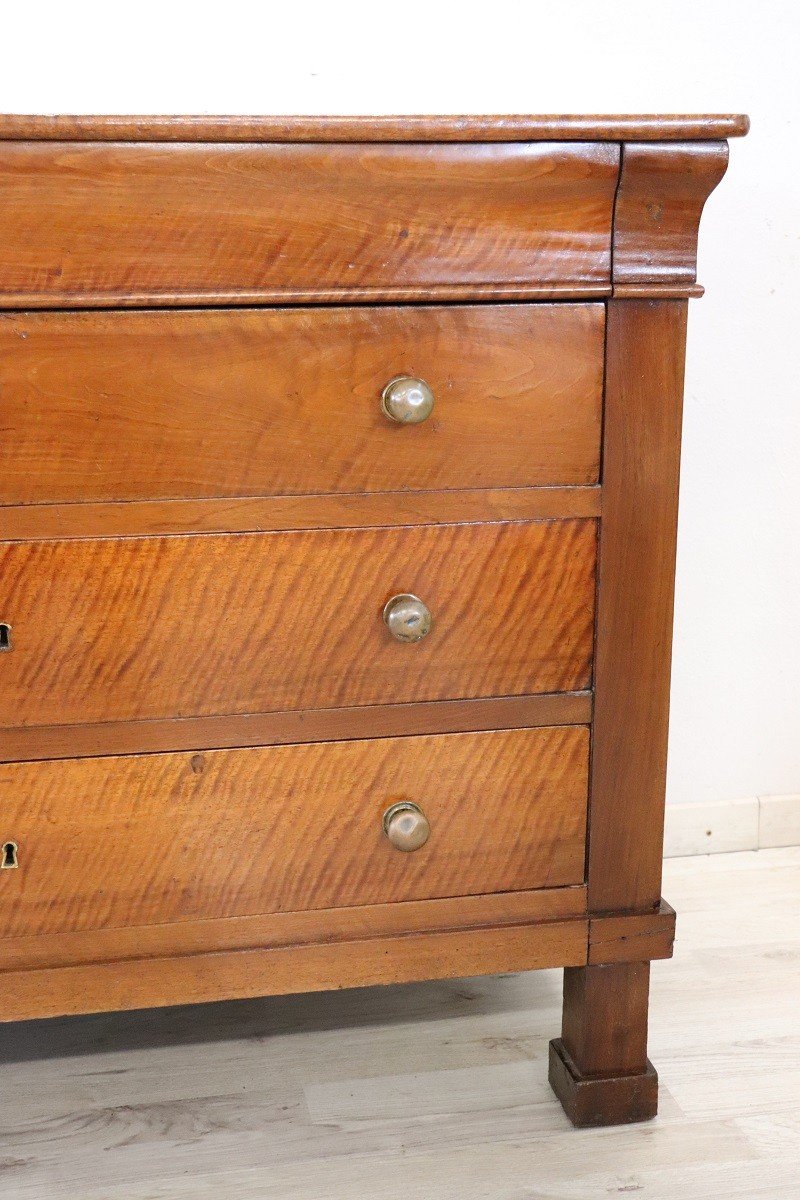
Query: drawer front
pixel 110 224
pixel 143 405
pixel 112 629
pixel 157 838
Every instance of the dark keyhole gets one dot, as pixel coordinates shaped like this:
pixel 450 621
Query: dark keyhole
pixel 5 636
pixel 9 859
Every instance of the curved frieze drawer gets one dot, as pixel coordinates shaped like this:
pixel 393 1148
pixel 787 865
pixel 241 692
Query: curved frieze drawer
pixel 111 224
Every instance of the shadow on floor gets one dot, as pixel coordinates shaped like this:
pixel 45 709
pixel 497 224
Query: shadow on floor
pixel 29 1041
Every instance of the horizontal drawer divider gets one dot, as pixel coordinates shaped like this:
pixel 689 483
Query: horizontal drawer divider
pixel 452 293
pixel 34 743
pixel 281 970
pixel 256 514
pixel 354 923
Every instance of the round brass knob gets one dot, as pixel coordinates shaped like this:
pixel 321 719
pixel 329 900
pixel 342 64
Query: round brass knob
pixel 408 619
pixel 406 826
pixel 406 400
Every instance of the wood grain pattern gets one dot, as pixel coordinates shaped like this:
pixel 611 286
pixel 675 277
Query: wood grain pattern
pixel 633 937
pixel 660 199
pixel 110 630
pixel 23 744
pixel 110 224
pixel 591 1100
pixel 604 1027
pixel 604 1031
pixel 193 979
pixel 551 290
pixel 151 839
pixel 658 291
pixel 284 402
pixel 506 128
pixel 643 409
pixel 267 931
pixel 202 515
pixel 256 514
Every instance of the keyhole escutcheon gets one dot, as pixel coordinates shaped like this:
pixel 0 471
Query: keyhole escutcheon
pixel 9 860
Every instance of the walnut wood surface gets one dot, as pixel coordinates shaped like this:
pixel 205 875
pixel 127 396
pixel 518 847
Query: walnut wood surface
pixel 112 958
pixel 599 1069
pixel 662 190
pixel 256 514
pixel 300 928
pixel 151 982
pixel 373 129
pixel 282 728
pixel 591 1100
pixel 632 937
pixel 143 840
pixel 147 455
pixel 604 1025
pixel 641 461
pixel 658 291
pixel 110 629
pixel 147 405
pixel 612 935
pixel 110 224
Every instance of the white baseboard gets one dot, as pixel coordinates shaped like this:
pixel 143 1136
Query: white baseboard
pixel 779 821
pixel 715 827
pixel 721 826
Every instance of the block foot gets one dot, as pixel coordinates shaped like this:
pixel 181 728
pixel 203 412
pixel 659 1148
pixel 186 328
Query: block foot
pixel 602 1100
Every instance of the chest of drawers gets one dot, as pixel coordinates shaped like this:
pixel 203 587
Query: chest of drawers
pixel 337 506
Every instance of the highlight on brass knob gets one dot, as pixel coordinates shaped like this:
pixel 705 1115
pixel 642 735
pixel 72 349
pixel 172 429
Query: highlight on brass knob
pixel 406 400
pixel 407 617
pixel 406 826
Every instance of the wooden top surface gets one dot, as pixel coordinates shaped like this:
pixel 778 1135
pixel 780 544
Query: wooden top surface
pixel 561 128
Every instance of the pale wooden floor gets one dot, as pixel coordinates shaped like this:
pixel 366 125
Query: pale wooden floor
pixel 433 1091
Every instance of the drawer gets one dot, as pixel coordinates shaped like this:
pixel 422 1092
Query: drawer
pixel 90 224
pixel 158 838
pixel 117 628
pixel 146 405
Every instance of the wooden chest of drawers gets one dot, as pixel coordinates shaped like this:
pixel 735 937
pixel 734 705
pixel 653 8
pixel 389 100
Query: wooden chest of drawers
pixel 338 501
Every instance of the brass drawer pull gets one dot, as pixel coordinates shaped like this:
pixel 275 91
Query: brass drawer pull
pixel 406 400
pixel 406 826
pixel 407 618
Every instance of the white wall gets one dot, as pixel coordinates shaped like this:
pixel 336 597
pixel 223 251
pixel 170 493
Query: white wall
pixel 736 706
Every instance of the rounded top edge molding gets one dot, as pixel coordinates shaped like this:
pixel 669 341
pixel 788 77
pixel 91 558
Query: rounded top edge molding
pixel 431 128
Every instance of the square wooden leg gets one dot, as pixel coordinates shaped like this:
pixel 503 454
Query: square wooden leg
pixel 599 1067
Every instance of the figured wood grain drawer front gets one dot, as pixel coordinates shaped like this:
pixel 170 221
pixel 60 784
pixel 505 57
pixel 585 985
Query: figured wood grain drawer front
pixel 111 629
pixel 156 838
pixel 113 224
pixel 143 405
